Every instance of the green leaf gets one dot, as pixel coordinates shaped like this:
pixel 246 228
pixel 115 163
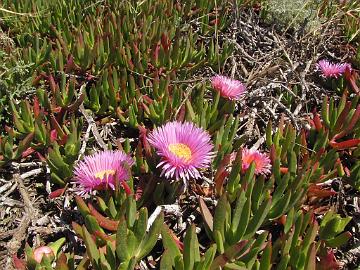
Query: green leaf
pixel 121 241
pixel 230 253
pixel 265 262
pixel 191 248
pixel 150 238
pixel 130 211
pixel 220 215
pixel 166 262
pixel 91 247
pixel 169 242
pixel 141 223
pixel 339 240
pixel 258 219
pixel 209 257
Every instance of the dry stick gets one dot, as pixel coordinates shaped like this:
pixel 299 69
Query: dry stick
pixel 18 13
pixel 30 213
pixel 167 208
pixel 85 140
pixel 287 111
pixel 350 256
pixel 94 129
pixel 31 173
pixel 185 99
pixel 304 83
pixel 302 79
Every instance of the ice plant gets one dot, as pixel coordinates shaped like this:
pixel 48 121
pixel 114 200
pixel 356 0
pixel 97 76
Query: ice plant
pixel 228 88
pixel 183 148
pixel 42 251
pixel 101 170
pixel 262 161
pixel 330 70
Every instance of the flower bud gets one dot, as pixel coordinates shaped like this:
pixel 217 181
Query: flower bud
pixel 41 251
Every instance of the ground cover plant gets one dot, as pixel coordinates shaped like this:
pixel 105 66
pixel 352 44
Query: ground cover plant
pixel 179 134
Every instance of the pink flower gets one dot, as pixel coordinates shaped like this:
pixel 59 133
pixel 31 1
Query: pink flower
pixel 228 88
pixel 100 171
pixel 184 149
pixel 329 69
pixel 262 161
pixel 42 251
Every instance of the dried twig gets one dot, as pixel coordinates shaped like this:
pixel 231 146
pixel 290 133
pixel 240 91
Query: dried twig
pixel 19 234
pixel 93 126
pixel 167 208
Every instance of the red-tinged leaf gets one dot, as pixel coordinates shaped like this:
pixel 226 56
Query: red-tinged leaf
pixel 179 244
pixel 27 152
pixel 165 42
pixel 19 264
pixel 339 167
pixel 347 171
pixel 345 144
pixel 9 130
pixel 156 51
pixel 36 107
pixel 206 214
pixel 104 222
pixel 126 187
pixel 144 141
pixel 61 262
pixel 57 193
pixel 63 139
pixel 229 254
pixel 52 84
pixel 282 220
pixel 311 123
pixel 311 258
pixel 351 80
pixel 355 118
pixel 56 109
pixel 273 155
pixel 24 144
pixel 318 192
pixel 341 119
pixel 53 135
pixel 330 175
pixel 284 170
pixel 73 107
pixel 77 228
pixel 37 79
pixel 328 261
pixel 219 182
pixel 55 124
pixel 105 237
pixel 147 99
pixel 70 65
pixel 181 115
pixel 317 121
pixel 214 22
pixel 41 157
pixel 319 154
pixel 221 173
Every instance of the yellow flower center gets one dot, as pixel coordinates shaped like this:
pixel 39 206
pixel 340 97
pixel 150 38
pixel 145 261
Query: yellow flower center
pixel 104 173
pixel 180 150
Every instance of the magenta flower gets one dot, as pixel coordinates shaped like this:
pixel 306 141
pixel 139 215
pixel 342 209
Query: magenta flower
pixel 329 69
pixel 184 149
pixel 100 170
pixel 262 161
pixel 228 88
